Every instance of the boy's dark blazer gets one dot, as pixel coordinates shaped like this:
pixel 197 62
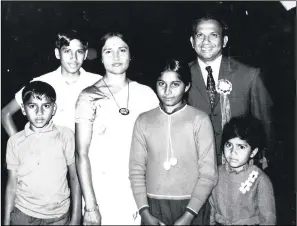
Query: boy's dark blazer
pixel 248 95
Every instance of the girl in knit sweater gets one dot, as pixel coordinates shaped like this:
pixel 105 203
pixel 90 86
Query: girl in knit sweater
pixel 244 193
pixel 172 161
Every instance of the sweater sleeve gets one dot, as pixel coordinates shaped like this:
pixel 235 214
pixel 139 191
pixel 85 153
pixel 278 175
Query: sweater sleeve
pixel 207 165
pixel 266 202
pixel 137 165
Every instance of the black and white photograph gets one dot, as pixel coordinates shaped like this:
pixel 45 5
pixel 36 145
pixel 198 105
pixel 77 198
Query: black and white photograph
pixel 148 113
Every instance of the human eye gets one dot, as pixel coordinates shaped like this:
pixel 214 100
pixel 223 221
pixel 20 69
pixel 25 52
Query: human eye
pixel 81 51
pixel 227 144
pixel 242 146
pixel 66 50
pixel 161 83
pixel 47 106
pixel 199 35
pixel 123 50
pixel 175 84
pixel 215 35
pixel 107 52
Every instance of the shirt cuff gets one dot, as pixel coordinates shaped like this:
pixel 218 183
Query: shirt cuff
pixel 141 209
pixel 191 211
pixel 195 204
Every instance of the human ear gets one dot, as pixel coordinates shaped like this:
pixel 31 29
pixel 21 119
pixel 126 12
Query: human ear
pixel 187 87
pixel 86 54
pixel 57 53
pixel 55 109
pixel 192 42
pixel 225 40
pixel 23 109
pixel 253 153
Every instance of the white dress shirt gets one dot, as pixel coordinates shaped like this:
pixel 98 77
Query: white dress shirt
pixel 67 94
pixel 215 66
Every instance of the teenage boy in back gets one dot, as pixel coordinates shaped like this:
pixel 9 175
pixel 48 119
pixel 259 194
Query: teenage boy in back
pixel 68 81
pixel 38 159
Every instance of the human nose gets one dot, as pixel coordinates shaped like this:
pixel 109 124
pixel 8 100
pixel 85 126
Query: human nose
pixel 233 150
pixel 117 55
pixel 39 111
pixel 205 39
pixel 73 56
pixel 167 90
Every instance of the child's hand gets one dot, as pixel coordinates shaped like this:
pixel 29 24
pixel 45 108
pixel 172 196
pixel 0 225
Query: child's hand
pixel 185 219
pixel 149 219
pixel 92 218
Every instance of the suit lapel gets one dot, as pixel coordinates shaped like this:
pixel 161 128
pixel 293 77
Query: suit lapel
pixel 197 80
pixel 227 70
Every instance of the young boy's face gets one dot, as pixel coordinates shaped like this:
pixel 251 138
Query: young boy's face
pixel 72 56
pixel 39 111
pixel 238 152
pixel 171 89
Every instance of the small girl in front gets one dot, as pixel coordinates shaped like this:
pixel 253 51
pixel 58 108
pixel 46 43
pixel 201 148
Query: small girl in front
pixel 244 193
pixel 172 160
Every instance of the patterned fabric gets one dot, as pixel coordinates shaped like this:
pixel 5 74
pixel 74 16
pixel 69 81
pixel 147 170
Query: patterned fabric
pixel 231 206
pixel 211 86
pixel 110 147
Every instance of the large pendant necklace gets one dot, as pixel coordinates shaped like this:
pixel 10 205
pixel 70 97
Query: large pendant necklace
pixel 123 111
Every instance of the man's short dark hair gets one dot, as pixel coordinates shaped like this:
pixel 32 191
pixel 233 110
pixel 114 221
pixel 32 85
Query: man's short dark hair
pixel 64 38
pixel 207 17
pixel 38 89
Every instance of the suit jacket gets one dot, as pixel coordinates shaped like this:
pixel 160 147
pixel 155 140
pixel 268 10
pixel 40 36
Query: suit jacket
pixel 248 96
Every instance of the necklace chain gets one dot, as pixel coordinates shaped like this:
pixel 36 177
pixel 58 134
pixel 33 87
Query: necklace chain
pixel 114 97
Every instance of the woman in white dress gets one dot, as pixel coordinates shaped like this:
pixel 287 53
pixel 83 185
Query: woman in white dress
pixel 105 117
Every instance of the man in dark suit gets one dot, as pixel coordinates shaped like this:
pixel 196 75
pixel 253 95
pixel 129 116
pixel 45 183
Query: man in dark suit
pixel 248 94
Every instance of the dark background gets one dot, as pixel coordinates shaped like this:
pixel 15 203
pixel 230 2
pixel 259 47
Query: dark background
pixel 262 34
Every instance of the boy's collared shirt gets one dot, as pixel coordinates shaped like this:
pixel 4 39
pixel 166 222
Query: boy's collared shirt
pixel 41 160
pixel 67 94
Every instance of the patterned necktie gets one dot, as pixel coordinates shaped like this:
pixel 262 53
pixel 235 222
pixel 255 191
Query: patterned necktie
pixel 211 87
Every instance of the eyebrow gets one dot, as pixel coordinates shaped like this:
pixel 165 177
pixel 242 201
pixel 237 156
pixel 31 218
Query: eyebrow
pixel 121 47
pixel 172 81
pixel 243 144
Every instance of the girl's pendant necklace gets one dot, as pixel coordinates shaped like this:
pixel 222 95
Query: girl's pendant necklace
pixel 123 111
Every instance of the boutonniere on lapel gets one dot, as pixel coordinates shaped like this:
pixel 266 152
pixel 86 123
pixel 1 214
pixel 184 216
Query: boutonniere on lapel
pixel 224 88
pixel 246 186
